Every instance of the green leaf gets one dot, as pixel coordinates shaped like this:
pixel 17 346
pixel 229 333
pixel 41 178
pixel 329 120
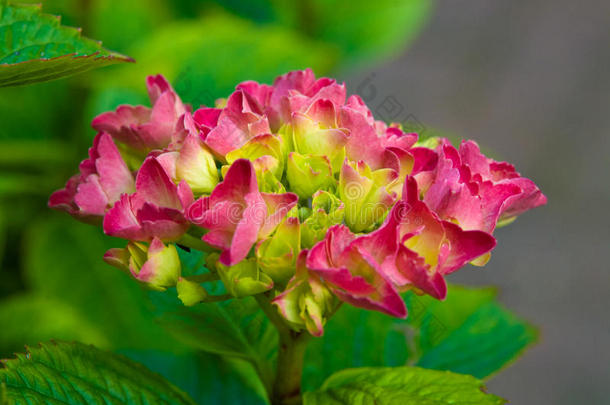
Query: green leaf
pixel 74 373
pixel 235 328
pixel 489 339
pixel 192 261
pixel 209 379
pixel 355 338
pixel 469 333
pixel 37 48
pixel 63 261
pixel 53 319
pixel 400 385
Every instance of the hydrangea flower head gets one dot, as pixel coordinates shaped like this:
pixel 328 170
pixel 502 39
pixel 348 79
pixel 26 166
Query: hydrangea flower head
pixel 294 191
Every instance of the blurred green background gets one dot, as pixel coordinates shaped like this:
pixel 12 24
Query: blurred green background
pixel 527 80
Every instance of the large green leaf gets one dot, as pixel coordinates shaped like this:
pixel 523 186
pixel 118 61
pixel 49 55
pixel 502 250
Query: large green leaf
pixel 74 373
pixel 400 385
pixel 35 47
pixel 235 328
pixel 209 379
pixel 355 338
pixel 63 261
pixel 469 332
pixel 489 339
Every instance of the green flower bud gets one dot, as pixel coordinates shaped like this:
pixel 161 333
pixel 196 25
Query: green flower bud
pixel 366 194
pixel 277 255
pixel 157 265
pixel 242 279
pixel 308 174
pixel 326 210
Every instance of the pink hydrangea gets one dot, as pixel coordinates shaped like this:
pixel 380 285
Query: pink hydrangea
pixel 301 195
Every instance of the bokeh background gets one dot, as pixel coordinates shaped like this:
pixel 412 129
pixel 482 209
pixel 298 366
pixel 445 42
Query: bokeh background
pixel 528 80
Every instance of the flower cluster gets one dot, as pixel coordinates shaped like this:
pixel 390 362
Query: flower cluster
pixel 295 191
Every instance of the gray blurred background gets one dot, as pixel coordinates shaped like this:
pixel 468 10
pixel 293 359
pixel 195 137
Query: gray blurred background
pixel 530 81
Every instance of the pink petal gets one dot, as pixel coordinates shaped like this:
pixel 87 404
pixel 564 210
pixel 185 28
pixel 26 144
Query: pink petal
pixel 465 246
pixel 114 176
pixel 155 186
pixel 363 144
pixel 121 221
pixel 277 206
pixel 90 196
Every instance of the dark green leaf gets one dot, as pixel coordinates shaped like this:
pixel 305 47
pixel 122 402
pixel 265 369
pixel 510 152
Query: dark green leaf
pixel 209 379
pixel 36 48
pixel 400 385
pixel 192 261
pixel 469 332
pixel 74 373
pixel 235 328
pixel 489 339
pixel 355 338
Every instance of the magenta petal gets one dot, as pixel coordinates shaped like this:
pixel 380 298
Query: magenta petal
pixel 529 197
pixel 103 177
pixel 121 221
pixel 157 85
pixel 353 273
pixel 63 199
pixel 259 92
pixel 207 117
pixel 413 268
pixel 115 177
pixel 236 213
pixel 363 143
pixel 90 196
pixel 277 206
pixel 246 231
pixel 465 246
pixel 155 186
pixel 123 124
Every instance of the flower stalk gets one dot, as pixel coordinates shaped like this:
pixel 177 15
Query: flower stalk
pixel 286 389
pixel 291 353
